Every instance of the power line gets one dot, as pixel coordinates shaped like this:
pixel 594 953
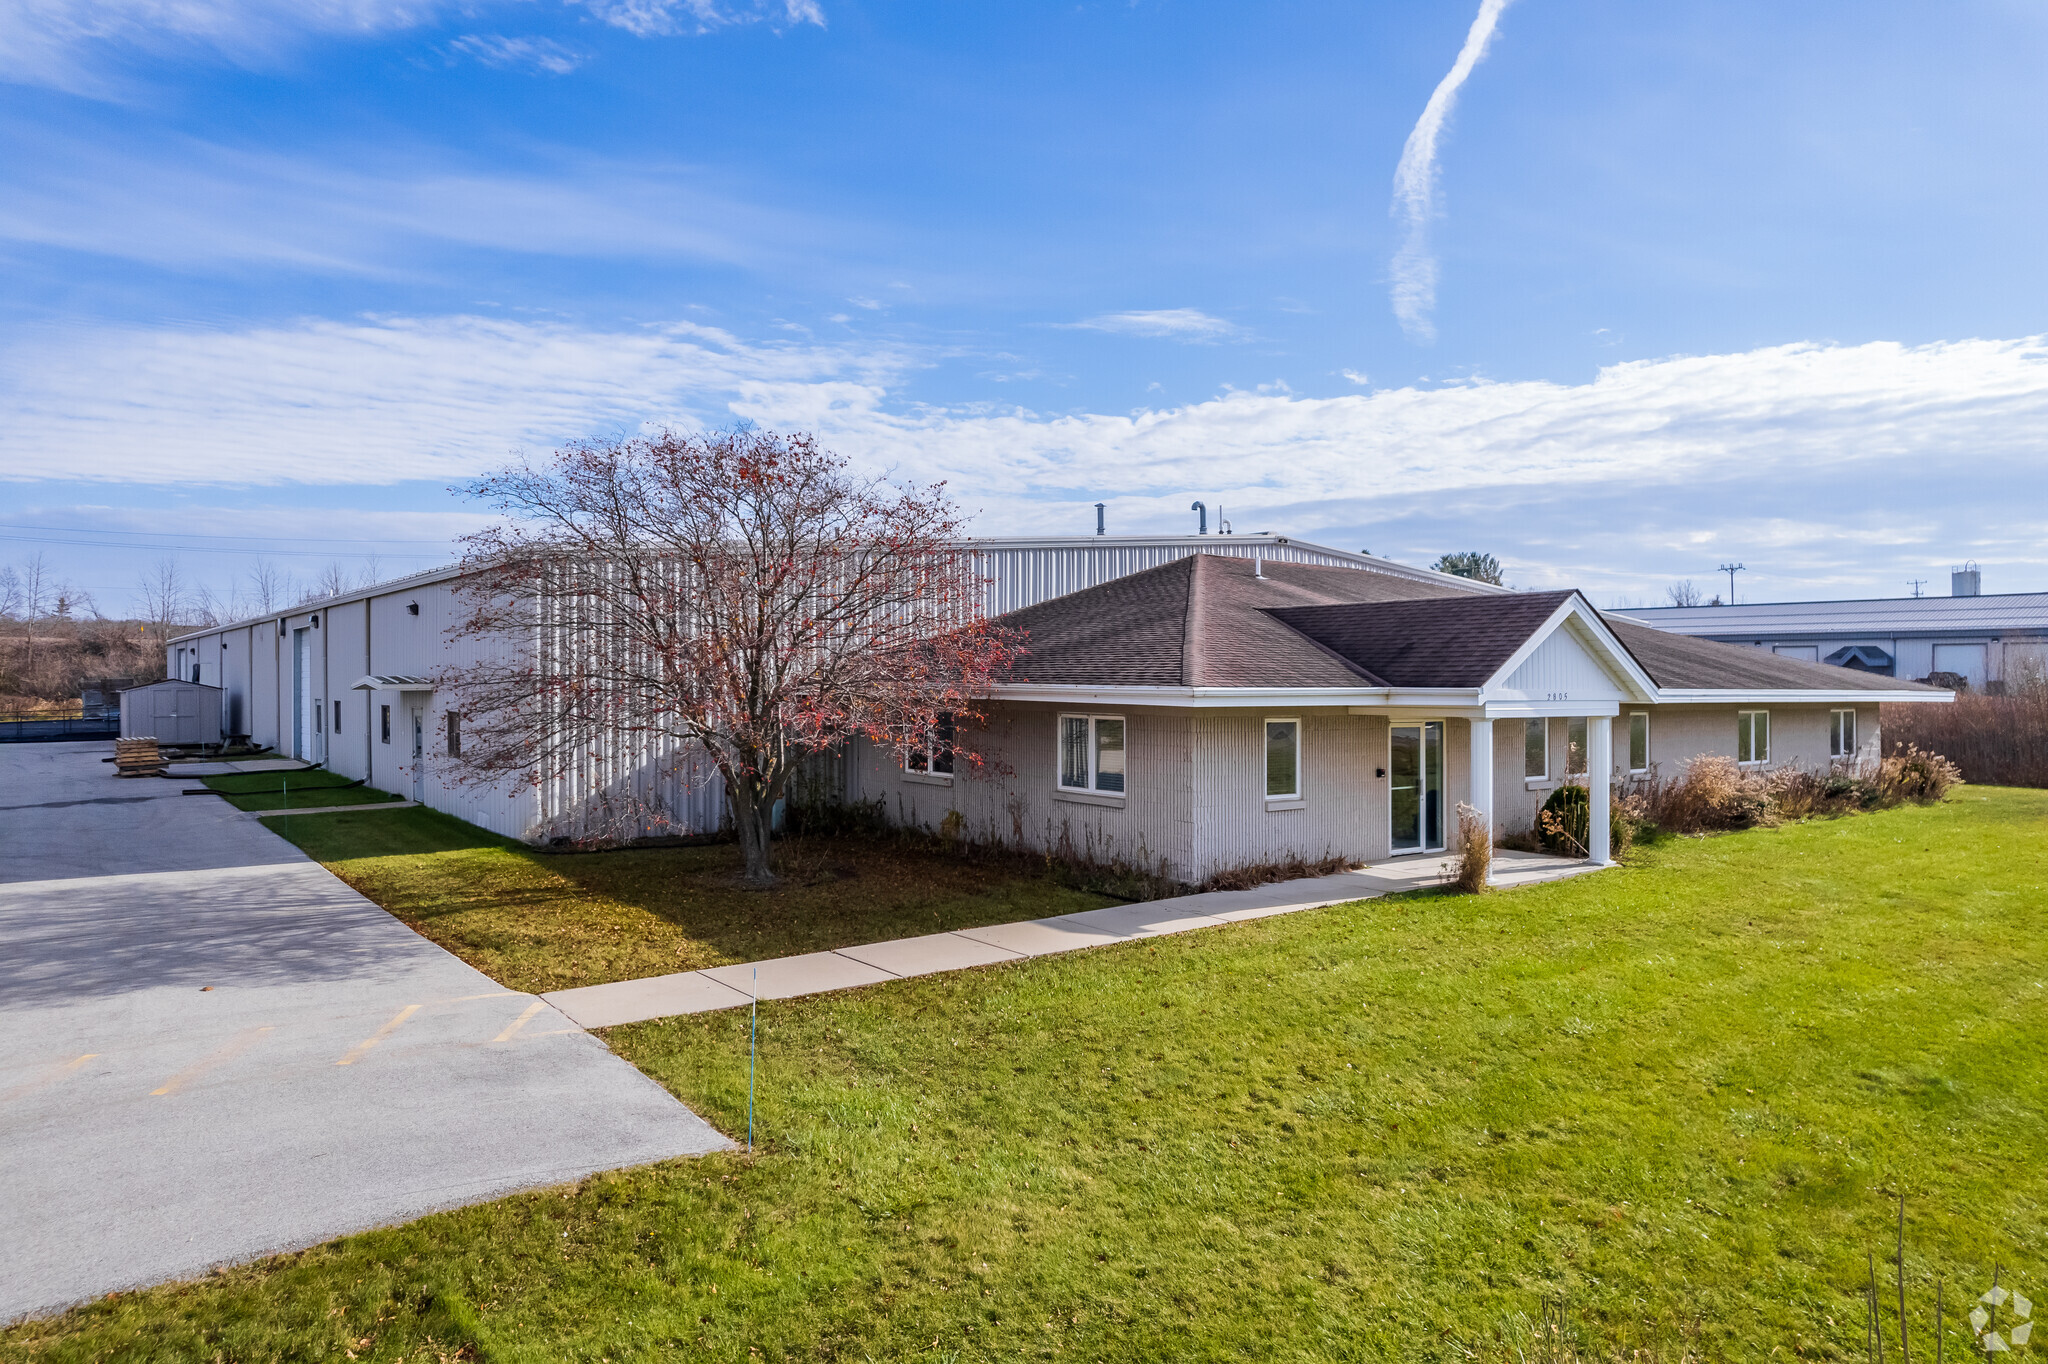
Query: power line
pixel 234 549
pixel 202 535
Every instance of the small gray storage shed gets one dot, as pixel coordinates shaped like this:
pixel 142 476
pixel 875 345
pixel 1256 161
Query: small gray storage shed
pixel 172 712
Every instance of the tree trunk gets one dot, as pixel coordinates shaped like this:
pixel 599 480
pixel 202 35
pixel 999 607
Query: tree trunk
pixel 753 819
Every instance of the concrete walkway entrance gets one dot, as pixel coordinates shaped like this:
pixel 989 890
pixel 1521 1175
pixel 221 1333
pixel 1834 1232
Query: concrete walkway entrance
pixel 730 987
pixel 211 1049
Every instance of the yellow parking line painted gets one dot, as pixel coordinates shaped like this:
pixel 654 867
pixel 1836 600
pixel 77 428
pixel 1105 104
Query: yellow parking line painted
pixel 199 1068
pixel 516 1024
pixel 357 1052
pixel 45 1078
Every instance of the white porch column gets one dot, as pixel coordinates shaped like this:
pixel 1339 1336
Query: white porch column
pixel 1599 766
pixel 1481 797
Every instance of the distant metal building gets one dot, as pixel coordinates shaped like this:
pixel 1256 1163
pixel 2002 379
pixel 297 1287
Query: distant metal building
pixel 1989 642
pixel 345 680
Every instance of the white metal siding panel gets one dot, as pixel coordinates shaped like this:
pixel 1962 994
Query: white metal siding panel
pixel 1561 668
pixel 1023 576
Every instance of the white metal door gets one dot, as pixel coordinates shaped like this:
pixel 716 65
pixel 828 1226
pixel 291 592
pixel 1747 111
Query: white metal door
pixel 419 755
pixel 1965 660
pixel 301 665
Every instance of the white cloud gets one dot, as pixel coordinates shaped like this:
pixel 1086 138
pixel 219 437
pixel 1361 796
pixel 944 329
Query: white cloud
pixel 1175 324
pixel 1414 268
pixel 651 18
pixel 66 44
pixel 59 42
pixel 193 204
pixel 1820 459
pixel 541 54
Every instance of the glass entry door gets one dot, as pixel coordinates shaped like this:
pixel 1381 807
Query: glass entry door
pixel 1416 770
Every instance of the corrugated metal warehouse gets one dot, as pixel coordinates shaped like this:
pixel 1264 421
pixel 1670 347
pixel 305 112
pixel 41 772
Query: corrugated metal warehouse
pixel 343 681
pixel 1987 641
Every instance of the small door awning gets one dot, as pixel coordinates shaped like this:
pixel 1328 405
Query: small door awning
pixel 392 682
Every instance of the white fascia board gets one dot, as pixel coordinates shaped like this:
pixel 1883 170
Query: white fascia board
pixel 1593 631
pixel 1362 700
pixel 1535 710
pixel 307 608
pixel 1707 696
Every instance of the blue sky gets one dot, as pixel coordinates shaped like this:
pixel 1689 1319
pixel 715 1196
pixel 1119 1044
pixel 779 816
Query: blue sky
pixel 1723 281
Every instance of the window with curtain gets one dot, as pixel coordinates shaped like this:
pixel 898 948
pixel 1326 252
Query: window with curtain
pixel 1536 749
pixel 1092 753
pixel 1639 741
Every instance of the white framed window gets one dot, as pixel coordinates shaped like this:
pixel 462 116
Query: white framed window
pixel 1536 750
pixel 1091 753
pixel 1752 736
pixel 1841 733
pixel 1575 746
pixel 1639 741
pixel 932 752
pixel 1283 760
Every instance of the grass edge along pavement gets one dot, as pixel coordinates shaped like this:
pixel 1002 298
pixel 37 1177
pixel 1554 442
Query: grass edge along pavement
pixel 1677 1094
pixel 305 788
pixel 541 921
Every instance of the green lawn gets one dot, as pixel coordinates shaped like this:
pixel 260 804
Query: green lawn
pixel 542 921
pixel 1676 1093
pixel 303 790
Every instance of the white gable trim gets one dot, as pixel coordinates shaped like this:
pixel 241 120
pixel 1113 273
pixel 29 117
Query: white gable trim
pixel 1578 615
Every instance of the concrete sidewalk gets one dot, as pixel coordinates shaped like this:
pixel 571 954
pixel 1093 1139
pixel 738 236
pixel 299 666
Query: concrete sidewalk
pixel 730 987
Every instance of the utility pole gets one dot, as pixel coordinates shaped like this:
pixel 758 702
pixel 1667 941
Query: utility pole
pixel 1917 584
pixel 1731 570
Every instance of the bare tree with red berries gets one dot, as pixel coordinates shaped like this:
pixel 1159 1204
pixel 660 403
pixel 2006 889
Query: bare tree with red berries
pixel 741 599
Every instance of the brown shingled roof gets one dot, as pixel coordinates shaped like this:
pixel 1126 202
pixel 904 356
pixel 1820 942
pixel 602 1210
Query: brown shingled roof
pixel 1201 621
pixel 1683 661
pixel 1207 621
pixel 1458 643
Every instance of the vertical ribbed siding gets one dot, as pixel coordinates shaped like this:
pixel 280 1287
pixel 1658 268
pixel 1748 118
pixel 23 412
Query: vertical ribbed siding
pixel 1024 575
pixel 1015 800
pixel 1343 811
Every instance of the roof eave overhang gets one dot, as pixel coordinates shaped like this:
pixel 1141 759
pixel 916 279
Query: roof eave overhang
pixel 1365 699
pixel 1743 696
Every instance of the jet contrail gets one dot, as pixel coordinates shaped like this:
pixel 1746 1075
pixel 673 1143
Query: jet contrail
pixel 1415 183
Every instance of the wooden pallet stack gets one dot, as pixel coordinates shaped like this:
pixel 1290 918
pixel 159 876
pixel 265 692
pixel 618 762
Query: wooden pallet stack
pixel 137 758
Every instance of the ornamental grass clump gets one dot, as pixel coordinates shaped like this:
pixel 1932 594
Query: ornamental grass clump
pixel 1713 793
pixel 1475 851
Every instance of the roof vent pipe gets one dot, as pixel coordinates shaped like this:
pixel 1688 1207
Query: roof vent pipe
pixel 1098 518
pixel 1965 581
pixel 1204 510
pixel 1258 565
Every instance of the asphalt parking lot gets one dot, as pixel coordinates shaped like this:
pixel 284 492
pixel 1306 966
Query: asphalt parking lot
pixel 211 1049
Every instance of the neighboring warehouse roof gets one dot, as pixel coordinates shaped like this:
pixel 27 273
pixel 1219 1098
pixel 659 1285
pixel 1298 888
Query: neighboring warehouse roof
pixel 1207 621
pixel 1687 663
pixel 1882 616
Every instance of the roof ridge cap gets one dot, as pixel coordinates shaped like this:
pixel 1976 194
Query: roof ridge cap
pixel 1190 627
